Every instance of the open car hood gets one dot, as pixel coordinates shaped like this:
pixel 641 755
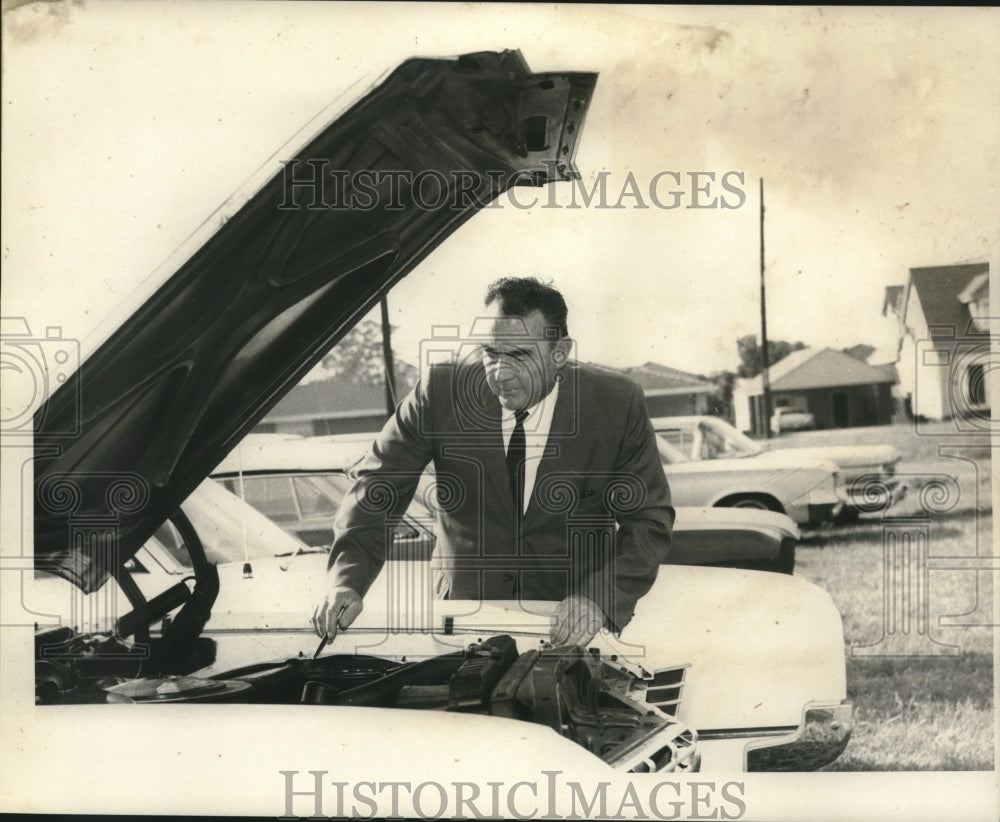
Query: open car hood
pixel 144 420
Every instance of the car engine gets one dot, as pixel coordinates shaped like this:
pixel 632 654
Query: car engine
pixel 574 691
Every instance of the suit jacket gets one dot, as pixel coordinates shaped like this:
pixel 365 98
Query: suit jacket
pixel 598 521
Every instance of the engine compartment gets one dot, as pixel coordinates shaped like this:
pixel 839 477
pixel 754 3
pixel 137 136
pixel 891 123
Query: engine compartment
pixel 574 691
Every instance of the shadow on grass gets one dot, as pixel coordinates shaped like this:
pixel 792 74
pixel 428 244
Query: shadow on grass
pixel 871 529
pixel 841 535
pixel 878 684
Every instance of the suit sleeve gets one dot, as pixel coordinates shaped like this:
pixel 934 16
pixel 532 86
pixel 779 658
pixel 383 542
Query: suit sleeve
pixel 645 521
pixel 386 482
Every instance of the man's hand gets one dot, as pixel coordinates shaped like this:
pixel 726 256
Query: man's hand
pixel 338 609
pixel 576 621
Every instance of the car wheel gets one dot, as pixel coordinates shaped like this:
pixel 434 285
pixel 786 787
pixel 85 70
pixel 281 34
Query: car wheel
pixel 758 502
pixel 847 515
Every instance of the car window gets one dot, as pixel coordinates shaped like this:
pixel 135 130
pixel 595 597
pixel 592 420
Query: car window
pixel 668 453
pixel 169 538
pixel 301 503
pixel 720 439
pixel 320 495
pixel 710 443
pixel 272 496
pixel 680 438
pixel 231 531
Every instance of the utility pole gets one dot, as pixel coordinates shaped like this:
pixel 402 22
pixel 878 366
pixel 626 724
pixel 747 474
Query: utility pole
pixel 390 367
pixel 765 360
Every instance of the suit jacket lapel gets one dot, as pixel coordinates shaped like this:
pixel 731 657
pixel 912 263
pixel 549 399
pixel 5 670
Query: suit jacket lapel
pixel 561 440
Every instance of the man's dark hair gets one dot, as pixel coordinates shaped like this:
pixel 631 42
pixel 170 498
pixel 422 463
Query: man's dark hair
pixel 518 296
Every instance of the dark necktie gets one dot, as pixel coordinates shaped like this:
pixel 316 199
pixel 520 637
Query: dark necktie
pixel 515 460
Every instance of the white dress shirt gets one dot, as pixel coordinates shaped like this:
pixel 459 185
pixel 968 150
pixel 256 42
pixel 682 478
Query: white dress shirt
pixel 536 434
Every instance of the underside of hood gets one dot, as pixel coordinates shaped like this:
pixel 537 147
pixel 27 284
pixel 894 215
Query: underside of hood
pixel 145 419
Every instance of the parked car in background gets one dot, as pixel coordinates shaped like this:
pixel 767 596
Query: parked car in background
pixel 788 419
pixel 720 668
pixel 300 482
pixel 805 490
pixel 865 473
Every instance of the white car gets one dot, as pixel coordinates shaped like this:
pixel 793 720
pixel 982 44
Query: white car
pixel 804 490
pixel 300 482
pixel 788 419
pixel 865 473
pixel 723 669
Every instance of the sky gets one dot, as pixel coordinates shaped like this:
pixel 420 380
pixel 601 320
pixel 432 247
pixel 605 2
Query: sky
pixel 876 132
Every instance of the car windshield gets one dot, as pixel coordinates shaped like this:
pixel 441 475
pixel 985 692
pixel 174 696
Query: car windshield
pixel 288 498
pixel 320 495
pixel 230 530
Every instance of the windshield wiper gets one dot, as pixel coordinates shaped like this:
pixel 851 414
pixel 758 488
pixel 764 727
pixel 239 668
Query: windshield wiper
pixel 305 549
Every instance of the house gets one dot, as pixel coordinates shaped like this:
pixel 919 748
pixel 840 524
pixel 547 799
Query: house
pixel 331 406
pixel 670 392
pixel 839 390
pixel 942 316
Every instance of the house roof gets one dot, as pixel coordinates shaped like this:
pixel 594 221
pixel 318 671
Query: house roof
pixel 659 380
pixel 938 288
pixel 819 368
pixel 889 371
pixel 332 397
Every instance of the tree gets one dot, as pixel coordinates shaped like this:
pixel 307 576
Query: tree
pixel 861 351
pixel 357 358
pixel 721 399
pixel 751 359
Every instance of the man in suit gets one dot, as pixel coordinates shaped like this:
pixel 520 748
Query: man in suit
pixel 555 486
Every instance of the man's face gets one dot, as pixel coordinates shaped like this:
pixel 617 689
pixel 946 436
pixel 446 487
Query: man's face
pixel 521 362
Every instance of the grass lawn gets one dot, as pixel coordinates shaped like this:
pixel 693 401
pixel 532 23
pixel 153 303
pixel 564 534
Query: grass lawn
pixel 915 708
